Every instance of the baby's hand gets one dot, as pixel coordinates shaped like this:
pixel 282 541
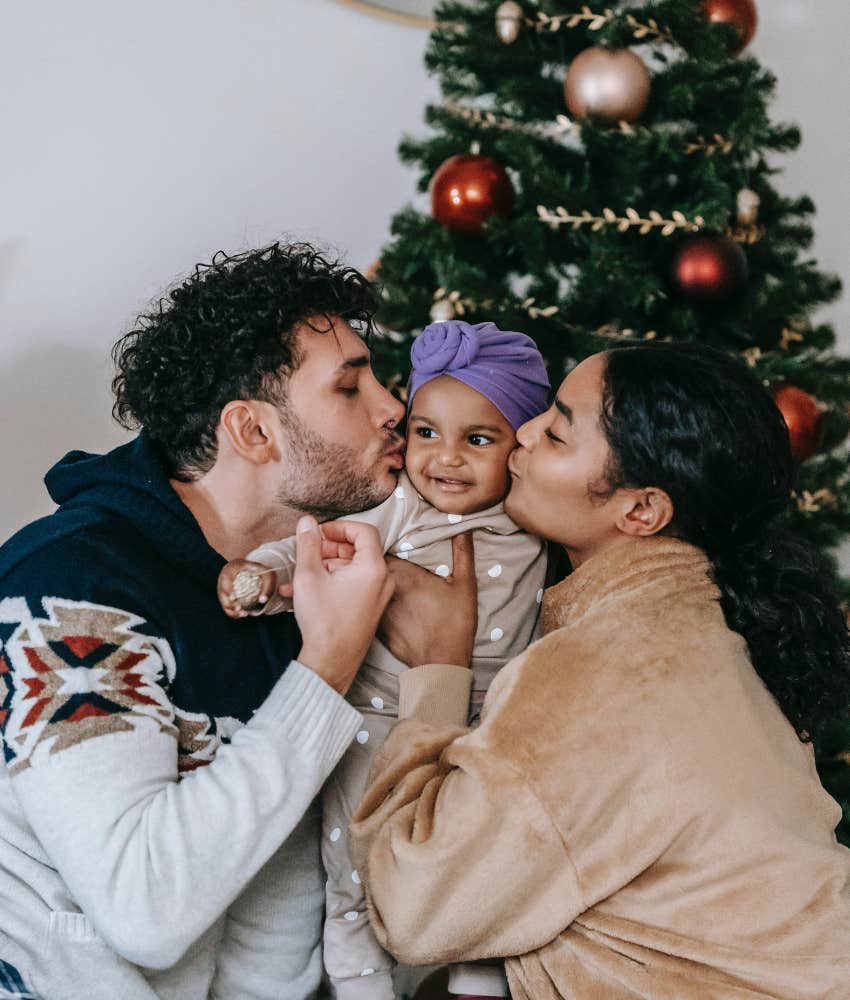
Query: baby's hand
pixel 244 585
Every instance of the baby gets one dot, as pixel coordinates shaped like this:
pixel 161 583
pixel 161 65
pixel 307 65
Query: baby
pixel 471 387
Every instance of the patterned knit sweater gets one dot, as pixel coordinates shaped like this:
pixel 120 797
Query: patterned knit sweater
pixel 159 757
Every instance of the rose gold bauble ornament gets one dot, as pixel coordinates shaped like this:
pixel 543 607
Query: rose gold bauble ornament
pixel 442 311
pixel 710 268
pixel 611 83
pixel 804 418
pixel 741 13
pixel 467 189
pixel 508 21
pixel 747 205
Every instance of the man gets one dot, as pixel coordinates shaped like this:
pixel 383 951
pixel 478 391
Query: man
pixel 157 753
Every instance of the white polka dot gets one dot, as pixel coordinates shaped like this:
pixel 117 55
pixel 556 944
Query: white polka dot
pixel 368 972
pixel 362 736
pixel 454 518
pixel 352 915
pixel 377 703
pixel 355 877
pixel 405 547
pixel 336 833
pixel 442 570
pixel 496 634
pixel 540 595
pixel 399 492
pixel 495 571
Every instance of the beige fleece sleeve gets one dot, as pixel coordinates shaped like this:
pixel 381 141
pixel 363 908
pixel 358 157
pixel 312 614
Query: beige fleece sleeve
pixel 435 693
pixel 458 856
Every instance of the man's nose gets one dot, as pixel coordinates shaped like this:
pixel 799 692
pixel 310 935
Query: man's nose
pixel 390 409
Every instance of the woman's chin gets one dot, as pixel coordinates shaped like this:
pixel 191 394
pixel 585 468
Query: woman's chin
pixel 514 510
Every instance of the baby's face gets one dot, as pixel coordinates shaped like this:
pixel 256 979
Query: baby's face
pixel 457 447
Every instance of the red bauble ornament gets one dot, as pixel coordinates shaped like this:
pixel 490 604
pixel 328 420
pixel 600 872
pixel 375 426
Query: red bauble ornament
pixel 467 189
pixel 710 268
pixel 741 13
pixel 803 417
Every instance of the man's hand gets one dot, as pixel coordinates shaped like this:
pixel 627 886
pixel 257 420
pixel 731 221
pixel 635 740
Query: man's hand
pixel 431 619
pixel 338 602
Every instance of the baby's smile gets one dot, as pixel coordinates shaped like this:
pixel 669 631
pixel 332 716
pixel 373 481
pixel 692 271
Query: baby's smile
pixel 451 485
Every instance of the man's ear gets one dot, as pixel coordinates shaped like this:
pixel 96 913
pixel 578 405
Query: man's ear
pixel 645 512
pixel 251 430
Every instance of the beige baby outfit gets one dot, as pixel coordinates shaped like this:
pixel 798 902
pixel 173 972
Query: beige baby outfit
pixel 511 569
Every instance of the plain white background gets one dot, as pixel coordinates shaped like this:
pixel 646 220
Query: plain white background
pixel 139 138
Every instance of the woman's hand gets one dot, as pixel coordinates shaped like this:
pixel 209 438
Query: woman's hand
pixel 338 601
pixel 432 619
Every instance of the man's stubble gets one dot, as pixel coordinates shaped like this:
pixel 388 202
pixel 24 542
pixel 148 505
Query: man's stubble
pixel 323 478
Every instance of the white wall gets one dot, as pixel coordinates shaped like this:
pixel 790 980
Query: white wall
pixel 139 138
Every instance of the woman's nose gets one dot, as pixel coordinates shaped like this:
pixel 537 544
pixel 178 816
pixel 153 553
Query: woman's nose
pixel 528 433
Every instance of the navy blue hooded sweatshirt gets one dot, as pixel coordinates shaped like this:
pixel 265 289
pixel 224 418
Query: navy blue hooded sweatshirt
pixel 122 538
pixel 140 856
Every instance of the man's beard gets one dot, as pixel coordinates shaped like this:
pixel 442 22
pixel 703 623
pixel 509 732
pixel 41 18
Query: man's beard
pixel 323 478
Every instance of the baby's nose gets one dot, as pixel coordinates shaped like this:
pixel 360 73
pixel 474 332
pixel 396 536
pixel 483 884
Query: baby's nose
pixel 451 457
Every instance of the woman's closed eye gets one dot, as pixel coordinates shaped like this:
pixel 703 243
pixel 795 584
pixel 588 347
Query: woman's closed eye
pixel 349 390
pixel 553 437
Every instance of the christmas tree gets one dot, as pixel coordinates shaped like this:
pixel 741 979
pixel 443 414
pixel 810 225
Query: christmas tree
pixel 602 174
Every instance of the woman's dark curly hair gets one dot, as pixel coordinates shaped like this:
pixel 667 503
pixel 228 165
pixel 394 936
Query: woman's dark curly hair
pixel 226 333
pixel 698 424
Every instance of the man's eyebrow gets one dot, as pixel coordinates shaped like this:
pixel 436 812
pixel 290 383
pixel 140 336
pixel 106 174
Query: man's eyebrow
pixel 361 361
pixel 563 408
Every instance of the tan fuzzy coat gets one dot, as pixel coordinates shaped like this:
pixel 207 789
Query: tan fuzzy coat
pixel 634 818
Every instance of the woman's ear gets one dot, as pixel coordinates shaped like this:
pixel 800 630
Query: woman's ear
pixel 645 512
pixel 251 430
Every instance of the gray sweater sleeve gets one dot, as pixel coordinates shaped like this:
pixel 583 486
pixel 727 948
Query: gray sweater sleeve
pixel 153 859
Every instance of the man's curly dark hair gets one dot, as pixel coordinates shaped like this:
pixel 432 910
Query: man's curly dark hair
pixel 226 333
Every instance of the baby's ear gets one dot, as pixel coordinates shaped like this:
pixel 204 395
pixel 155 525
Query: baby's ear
pixel 644 512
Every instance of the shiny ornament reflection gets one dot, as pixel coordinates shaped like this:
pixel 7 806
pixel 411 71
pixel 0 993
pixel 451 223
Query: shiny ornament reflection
pixel 804 419
pixel 508 21
pixel 740 13
pixel 747 205
pixel 467 189
pixel 611 83
pixel 710 269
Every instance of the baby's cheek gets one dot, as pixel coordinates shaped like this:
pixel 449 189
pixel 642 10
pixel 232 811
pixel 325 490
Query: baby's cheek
pixel 414 472
pixel 498 481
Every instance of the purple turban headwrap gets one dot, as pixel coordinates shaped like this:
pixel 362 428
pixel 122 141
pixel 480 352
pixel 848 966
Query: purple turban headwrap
pixel 505 367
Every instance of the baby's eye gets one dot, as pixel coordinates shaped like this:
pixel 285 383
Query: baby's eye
pixel 426 432
pixel 479 440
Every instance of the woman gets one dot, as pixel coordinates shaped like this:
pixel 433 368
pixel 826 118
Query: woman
pixel 638 814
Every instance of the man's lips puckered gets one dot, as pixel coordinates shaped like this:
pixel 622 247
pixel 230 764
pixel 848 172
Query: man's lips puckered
pixel 396 455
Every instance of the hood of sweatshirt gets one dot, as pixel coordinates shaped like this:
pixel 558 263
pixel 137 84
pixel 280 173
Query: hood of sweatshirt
pixel 130 483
